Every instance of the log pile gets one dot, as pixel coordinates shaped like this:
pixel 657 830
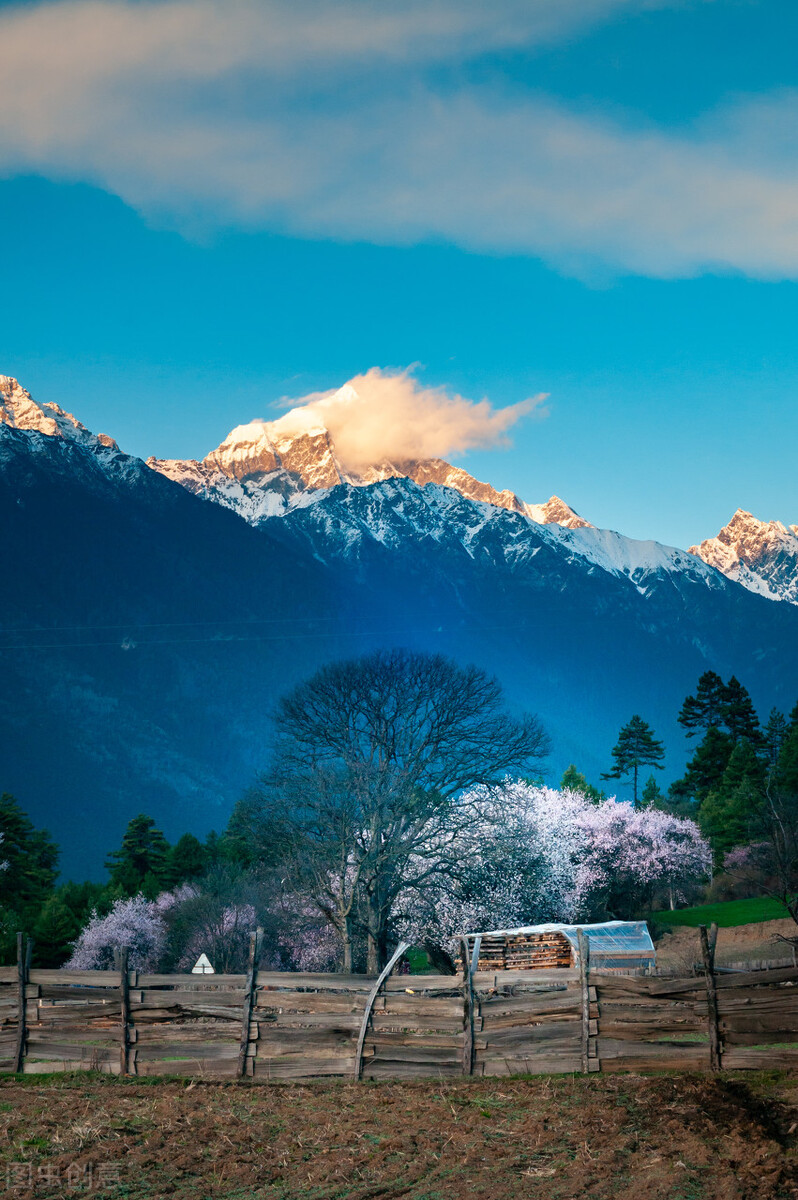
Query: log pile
pixel 523 952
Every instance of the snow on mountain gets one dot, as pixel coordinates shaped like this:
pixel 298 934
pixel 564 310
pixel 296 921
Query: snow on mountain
pixel 19 410
pixel 760 555
pixel 266 468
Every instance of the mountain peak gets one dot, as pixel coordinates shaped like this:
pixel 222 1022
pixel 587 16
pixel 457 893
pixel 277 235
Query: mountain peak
pixel 20 411
pixel 761 555
pixel 264 467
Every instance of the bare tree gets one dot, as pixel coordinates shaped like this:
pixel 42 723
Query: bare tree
pixel 362 797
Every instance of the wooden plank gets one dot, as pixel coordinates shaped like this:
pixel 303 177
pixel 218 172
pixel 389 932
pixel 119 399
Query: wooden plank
pixel 748 979
pixel 745 1058
pixel 190 1068
pixel 491 980
pixel 108 979
pixel 422 983
pixel 531 1005
pixel 321 980
pixel 412 1070
pixel 303 1066
pixel 195 981
pixel 299 1021
pixel 735 1037
pixel 47 1067
pixel 293 1001
pixel 205 1052
pixel 543 1065
pixel 184 997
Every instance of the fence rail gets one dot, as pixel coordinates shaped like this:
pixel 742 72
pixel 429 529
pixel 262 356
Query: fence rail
pixel 273 1025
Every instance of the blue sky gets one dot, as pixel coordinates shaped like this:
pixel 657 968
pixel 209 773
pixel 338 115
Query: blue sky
pixel 205 208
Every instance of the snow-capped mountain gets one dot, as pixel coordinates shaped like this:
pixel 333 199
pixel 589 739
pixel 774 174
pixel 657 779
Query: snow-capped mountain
pixel 146 632
pixel 760 555
pixel 266 468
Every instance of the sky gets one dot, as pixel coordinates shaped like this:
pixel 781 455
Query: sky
pixel 213 209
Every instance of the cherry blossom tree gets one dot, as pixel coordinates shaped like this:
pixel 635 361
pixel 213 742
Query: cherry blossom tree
pixel 134 923
pixel 543 855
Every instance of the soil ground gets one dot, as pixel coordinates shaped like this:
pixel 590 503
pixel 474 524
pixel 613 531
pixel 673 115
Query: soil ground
pixel 678 1137
pixel 760 941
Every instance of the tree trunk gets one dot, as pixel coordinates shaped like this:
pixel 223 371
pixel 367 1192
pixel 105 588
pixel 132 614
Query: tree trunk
pixel 346 938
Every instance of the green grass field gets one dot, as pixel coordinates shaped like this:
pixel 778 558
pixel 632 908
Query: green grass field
pixel 725 914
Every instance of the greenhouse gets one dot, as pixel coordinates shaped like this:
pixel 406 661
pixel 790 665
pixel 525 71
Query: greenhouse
pixel 614 945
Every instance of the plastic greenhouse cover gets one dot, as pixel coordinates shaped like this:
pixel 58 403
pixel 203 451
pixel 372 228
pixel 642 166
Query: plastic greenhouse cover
pixel 615 939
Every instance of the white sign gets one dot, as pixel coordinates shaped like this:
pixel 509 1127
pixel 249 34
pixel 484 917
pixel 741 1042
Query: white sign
pixel 202 966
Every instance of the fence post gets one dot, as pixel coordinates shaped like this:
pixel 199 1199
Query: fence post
pixel 250 989
pixel 470 961
pixel 583 944
pixel 708 955
pixel 120 962
pixel 22 979
pixel 372 996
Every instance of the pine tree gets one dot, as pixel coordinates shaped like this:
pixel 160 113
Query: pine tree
pixel 31 856
pixel 704 710
pixel 188 859
pixel 739 716
pixel 55 930
pixel 142 856
pixel 575 781
pixel 730 812
pixel 652 796
pixel 776 731
pixel 636 747
pixel 705 769
pixel 786 773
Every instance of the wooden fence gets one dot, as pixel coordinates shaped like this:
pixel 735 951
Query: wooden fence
pixel 280 1026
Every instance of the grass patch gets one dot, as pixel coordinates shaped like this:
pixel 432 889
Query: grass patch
pixel 726 914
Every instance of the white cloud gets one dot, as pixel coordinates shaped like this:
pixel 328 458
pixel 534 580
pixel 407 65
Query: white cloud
pixel 321 119
pixel 383 415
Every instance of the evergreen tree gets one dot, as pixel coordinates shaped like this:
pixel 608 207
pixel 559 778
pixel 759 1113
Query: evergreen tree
pixel 730 812
pixel 704 710
pixel 143 856
pixel 705 769
pixel 636 747
pixel 187 859
pixel 776 731
pixel 31 856
pixel 55 930
pixel 739 716
pixel 575 781
pixel 786 774
pixel 652 796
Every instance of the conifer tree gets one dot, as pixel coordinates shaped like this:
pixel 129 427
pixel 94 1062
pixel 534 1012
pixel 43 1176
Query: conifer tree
pixel 739 716
pixel 142 857
pixel 652 796
pixel 704 710
pixel 786 774
pixel 730 812
pixel 575 781
pixel 705 769
pixel 188 859
pixel 775 732
pixel 636 747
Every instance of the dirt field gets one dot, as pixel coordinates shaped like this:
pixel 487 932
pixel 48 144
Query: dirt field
pixel 553 1138
pixel 680 947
